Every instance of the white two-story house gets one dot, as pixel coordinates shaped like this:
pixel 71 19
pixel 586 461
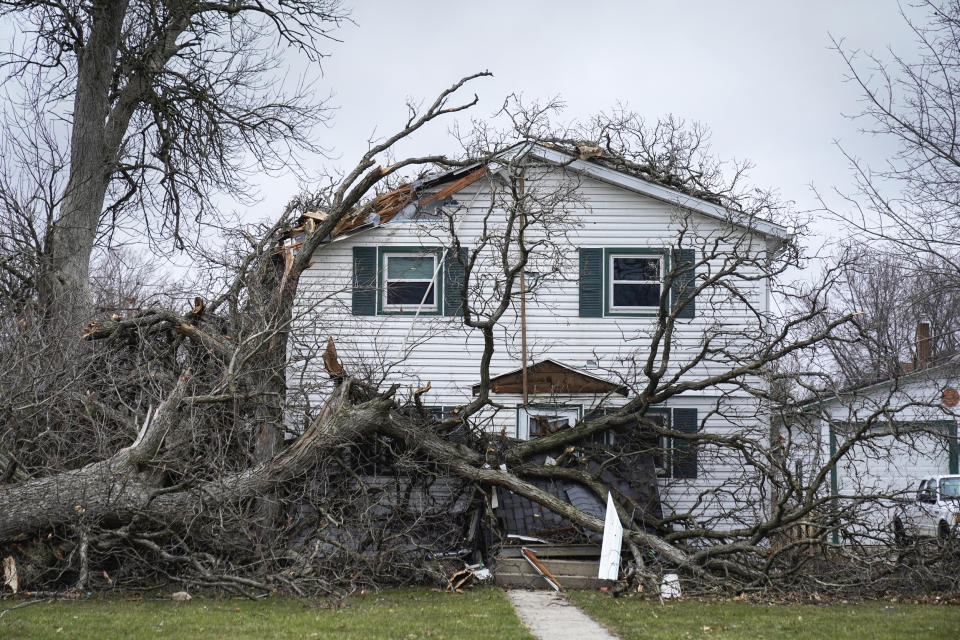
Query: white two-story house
pixel 613 250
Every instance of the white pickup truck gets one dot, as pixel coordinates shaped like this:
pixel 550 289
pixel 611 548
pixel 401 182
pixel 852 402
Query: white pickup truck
pixel 933 511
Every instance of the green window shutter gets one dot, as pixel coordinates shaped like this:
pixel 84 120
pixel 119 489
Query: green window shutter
pixel 684 451
pixel 591 283
pixel 684 281
pixel 453 271
pixel 364 281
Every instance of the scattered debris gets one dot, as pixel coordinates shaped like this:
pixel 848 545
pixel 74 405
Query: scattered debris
pixel 480 572
pixel 468 575
pixel 670 587
pixel 516 536
pixel 585 151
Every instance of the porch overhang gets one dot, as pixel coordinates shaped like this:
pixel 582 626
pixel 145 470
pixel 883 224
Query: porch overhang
pixel 549 377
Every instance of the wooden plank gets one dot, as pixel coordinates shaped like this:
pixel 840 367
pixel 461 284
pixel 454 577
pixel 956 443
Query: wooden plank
pixel 540 568
pixel 556 551
pixel 528 582
pixel 562 569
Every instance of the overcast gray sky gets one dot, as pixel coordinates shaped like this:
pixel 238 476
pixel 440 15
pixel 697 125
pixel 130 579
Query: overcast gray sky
pixel 760 74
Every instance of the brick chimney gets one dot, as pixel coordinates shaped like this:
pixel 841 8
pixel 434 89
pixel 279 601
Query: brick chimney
pixel 923 344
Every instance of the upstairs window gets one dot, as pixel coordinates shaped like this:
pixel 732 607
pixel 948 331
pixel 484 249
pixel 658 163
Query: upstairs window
pixel 635 281
pixel 394 280
pixel 631 281
pixel 408 281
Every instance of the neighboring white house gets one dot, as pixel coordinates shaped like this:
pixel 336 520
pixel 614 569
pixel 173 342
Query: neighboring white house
pixel 889 435
pixel 909 427
pixel 386 288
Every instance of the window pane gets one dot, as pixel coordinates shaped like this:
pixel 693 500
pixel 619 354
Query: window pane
pixel 409 267
pixel 950 487
pixel 636 268
pixel 662 456
pixel 545 425
pixel 409 292
pixel 636 295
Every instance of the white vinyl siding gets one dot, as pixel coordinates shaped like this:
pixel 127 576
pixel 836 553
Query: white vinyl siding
pixel 441 351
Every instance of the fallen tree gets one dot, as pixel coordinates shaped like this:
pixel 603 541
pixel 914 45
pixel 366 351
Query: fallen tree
pixel 117 489
pixel 220 488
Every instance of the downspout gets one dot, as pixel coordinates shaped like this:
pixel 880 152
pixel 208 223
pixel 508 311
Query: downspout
pixel 523 308
pixel 523 336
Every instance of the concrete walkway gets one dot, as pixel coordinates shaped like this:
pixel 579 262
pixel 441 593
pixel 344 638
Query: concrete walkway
pixel 550 616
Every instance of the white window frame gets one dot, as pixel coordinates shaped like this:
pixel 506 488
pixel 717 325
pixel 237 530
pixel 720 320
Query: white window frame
pixel 665 449
pixel 393 308
pixel 572 413
pixel 612 283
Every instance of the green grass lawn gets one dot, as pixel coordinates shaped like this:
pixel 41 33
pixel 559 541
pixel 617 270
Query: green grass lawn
pixel 634 618
pixel 402 613
pixel 478 613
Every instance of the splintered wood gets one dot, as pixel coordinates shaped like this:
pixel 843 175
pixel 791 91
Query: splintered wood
pixel 10 577
pixel 387 205
pixel 330 360
pixel 540 568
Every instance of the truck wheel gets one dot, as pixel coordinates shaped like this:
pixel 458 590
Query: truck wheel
pixel 899 533
pixel 943 531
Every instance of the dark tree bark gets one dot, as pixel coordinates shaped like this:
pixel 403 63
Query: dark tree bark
pixel 65 277
pixel 114 491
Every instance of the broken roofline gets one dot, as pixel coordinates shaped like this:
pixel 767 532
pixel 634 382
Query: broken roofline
pixel 847 393
pixel 387 205
pixel 653 190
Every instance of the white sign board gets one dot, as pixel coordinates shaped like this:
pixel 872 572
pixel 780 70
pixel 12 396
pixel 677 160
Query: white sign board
pixel 612 540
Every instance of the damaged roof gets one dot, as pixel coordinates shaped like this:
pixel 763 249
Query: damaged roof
pixel 585 159
pixel 386 206
pixel 591 162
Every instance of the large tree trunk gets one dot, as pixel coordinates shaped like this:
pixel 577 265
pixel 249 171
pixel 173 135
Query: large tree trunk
pixel 64 283
pixel 112 490
pixel 107 489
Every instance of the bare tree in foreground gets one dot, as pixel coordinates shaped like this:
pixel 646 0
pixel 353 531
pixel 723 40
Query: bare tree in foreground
pixel 165 105
pixel 906 209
